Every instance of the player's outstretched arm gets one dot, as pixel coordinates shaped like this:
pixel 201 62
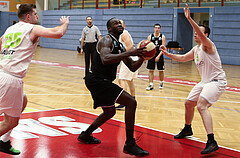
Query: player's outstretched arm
pixel 204 39
pixel 55 32
pixel 182 58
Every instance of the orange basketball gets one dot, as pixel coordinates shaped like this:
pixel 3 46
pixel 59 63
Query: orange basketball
pixel 150 49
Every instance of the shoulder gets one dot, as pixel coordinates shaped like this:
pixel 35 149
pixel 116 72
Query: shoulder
pixel 105 41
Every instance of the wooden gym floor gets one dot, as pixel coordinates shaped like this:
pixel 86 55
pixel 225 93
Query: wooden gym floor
pixel 54 87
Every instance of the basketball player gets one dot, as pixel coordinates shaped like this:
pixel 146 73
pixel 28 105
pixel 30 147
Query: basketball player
pixel 158 39
pixel 18 44
pixel 105 93
pixel 212 85
pixel 125 75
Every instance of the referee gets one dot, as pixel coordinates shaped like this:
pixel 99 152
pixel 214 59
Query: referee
pixel 90 36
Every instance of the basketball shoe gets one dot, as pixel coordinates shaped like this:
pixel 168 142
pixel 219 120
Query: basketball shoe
pixel 88 138
pixel 211 146
pixel 133 149
pixel 161 85
pixel 185 132
pixel 150 87
pixel 6 147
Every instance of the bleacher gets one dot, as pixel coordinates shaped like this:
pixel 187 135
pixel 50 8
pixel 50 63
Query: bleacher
pixel 103 4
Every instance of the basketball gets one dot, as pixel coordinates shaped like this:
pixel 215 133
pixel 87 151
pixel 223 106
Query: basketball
pixel 150 49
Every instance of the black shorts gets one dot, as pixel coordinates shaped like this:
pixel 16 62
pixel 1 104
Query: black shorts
pixel 160 64
pixel 103 91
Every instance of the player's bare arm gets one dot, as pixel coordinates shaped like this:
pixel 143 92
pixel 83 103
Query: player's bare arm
pixel 161 53
pixel 56 32
pixel 182 58
pixel 125 37
pixel 105 47
pixel 206 42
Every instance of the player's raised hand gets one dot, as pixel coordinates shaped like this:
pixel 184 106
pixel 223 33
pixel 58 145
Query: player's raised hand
pixel 187 12
pixel 64 19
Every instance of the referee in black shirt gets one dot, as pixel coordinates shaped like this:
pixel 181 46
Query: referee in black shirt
pixel 90 36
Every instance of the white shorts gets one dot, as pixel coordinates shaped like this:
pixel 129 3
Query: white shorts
pixel 210 91
pixel 11 95
pixel 125 73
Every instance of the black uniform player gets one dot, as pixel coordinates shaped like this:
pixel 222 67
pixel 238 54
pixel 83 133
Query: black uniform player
pixel 105 93
pixel 158 39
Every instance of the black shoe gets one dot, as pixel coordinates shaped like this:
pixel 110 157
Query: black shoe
pixel 183 134
pixel 78 49
pixel 119 107
pixel 88 139
pixel 210 147
pixel 6 147
pixel 133 149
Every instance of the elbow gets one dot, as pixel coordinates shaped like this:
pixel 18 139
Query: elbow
pixel 133 69
pixel 59 34
pixel 105 61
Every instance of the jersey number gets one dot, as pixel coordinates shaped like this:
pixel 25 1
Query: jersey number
pixel 14 40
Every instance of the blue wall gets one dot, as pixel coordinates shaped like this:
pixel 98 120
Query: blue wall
pixel 139 22
pixel 226 33
pixel 6 20
pixel 223 21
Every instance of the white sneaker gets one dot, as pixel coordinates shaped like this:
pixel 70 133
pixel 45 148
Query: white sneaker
pixel 150 87
pixel 161 86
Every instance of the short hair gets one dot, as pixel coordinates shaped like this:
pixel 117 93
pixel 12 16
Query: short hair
pixel 109 22
pixel 206 29
pixel 25 9
pixel 88 17
pixel 157 25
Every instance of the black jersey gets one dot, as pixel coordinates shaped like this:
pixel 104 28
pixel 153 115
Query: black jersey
pixel 108 71
pixel 157 41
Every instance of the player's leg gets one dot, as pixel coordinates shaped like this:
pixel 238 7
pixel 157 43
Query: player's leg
pixel 209 95
pixel 86 136
pixel 202 107
pixel 160 67
pixel 87 58
pixel 6 136
pixel 92 52
pixel 7 125
pixel 190 104
pixel 130 103
pixel 150 67
pixel 123 84
pixel 131 87
pixel 161 77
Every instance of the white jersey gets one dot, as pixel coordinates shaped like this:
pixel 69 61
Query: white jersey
pixel 120 39
pixel 17 49
pixel 124 72
pixel 209 65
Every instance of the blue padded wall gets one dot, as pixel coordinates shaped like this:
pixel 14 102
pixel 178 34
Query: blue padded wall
pixel 226 34
pixel 224 23
pixel 139 22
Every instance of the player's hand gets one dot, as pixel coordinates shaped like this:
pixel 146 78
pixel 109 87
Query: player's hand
pixel 163 49
pixel 187 12
pixel 81 52
pixel 136 52
pixel 64 20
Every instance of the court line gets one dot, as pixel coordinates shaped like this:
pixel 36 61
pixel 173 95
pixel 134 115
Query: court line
pixel 141 76
pixel 142 96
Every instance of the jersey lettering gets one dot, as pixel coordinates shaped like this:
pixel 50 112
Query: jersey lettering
pixel 13 40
